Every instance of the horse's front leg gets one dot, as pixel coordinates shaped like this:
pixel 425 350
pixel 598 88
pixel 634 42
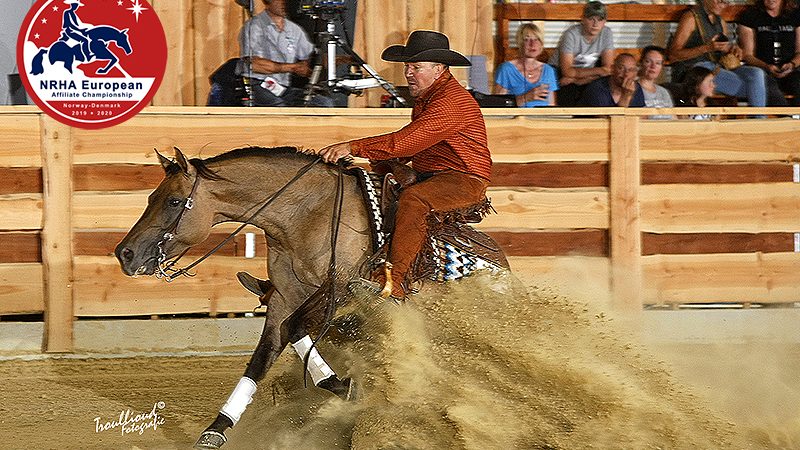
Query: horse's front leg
pixel 276 334
pixel 269 347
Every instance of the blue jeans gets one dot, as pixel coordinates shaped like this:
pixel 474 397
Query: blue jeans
pixel 292 97
pixel 743 82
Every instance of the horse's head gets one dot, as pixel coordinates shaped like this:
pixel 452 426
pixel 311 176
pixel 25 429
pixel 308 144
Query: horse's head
pixel 125 42
pixel 174 220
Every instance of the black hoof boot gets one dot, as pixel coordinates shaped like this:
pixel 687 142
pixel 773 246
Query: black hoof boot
pixel 344 389
pixel 214 436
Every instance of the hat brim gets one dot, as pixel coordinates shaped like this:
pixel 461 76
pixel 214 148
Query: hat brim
pixel 397 53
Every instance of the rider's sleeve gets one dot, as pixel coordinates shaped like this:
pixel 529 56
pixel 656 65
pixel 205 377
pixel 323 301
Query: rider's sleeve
pixel 436 123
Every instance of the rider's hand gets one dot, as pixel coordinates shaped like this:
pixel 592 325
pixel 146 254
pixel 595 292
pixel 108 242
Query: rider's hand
pixel 335 152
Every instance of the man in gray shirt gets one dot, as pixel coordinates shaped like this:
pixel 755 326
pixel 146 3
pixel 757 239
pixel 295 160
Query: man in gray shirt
pixel 276 48
pixel 585 53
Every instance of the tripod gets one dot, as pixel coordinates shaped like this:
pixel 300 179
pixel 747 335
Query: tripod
pixel 344 85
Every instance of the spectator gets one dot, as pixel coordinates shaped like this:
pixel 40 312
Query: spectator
pixel 702 39
pixel 618 89
pixel 585 53
pixel 277 49
pixel 531 81
pixel 769 32
pixel 651 65
pixel 698 85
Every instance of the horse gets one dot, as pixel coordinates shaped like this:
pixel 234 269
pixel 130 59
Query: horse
pixel 99 37
pixel 285 193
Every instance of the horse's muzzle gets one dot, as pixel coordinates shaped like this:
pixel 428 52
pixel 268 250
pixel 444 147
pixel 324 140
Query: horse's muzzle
pixel 133 263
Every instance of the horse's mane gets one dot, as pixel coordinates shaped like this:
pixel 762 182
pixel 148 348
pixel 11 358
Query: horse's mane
pixel 205 172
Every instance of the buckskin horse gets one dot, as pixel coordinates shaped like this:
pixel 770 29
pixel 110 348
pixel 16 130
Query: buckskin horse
pixel 291 198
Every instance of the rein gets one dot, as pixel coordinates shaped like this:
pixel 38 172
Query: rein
pixel 165 268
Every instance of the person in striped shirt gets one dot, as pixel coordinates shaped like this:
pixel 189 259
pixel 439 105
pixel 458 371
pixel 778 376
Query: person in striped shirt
pixel 445 142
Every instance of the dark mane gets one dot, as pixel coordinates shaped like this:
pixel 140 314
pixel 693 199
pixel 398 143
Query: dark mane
pixel 205 172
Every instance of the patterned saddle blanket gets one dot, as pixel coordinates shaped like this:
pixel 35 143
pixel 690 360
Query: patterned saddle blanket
pixel 453 250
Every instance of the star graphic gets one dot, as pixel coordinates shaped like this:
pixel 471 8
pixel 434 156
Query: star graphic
pixel 44 20
pixel 137 9
pixel 119 2
pixel 55 8
pixel 36 36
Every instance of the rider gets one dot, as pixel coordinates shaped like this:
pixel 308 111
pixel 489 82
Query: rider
pixel 445 141
pixel 72 28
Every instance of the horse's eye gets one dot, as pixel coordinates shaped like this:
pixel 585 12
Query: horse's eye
pixel 174 202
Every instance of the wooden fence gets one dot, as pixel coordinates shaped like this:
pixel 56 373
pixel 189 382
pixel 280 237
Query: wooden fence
pixel 665 212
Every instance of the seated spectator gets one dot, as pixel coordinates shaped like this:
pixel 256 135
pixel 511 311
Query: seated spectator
pixel 698 85
pixel 651 65
pixel 531 81
pixel 618 89
pixel 768 32
pixel 585 53
pixel 702 39
pixel 276 48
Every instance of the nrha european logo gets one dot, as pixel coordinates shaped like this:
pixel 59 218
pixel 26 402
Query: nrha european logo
pixel 91 63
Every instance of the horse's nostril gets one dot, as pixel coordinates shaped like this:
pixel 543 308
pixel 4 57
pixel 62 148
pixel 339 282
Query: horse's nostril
pixel 126 254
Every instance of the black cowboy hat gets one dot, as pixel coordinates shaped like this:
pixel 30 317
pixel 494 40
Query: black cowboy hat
pixel 427 46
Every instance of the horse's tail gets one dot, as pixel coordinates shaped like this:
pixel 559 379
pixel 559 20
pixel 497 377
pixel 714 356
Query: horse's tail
pixel 36 66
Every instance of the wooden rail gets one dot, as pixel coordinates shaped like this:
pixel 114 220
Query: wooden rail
pixel 617 12
pixel 660 212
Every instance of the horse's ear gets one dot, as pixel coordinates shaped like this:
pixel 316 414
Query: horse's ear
pixel 125 31
pixel 165 162
pixel 181 160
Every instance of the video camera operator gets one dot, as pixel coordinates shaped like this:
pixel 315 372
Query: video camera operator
pixel 277 48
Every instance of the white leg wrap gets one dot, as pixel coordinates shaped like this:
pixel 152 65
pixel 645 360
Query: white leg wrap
pixel 317 366
pixel 241 396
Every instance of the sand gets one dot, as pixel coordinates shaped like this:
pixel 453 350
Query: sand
pixel 468 365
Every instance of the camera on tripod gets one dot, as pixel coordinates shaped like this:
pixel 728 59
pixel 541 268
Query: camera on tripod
pixel 321 8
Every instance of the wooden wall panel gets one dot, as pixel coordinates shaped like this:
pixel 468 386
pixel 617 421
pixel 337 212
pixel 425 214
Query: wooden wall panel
pixel 19 140
pixel 178 86
pixel 133 141
pixel 21 288
pixel 21 212
pixel 526 209
pixel 101 289
pixel 732 208
pixel 526 139
pixel 733 140
pixel 19 180
pixel 756 278
pixel 566 275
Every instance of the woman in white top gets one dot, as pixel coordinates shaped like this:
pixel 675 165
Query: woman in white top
pixel 651 64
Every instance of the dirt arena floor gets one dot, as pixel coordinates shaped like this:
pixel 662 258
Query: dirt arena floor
pixel 470 365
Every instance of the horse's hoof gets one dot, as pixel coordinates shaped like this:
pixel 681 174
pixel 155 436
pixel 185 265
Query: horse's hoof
pixel 345 389
pixel 210 440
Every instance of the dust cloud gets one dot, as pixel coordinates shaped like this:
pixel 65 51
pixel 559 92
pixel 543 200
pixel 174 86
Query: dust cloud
pixel 477 364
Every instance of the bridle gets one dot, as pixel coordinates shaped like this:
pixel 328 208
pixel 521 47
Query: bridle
pixel 166 268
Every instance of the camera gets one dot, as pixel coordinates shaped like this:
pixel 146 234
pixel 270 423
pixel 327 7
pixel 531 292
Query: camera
pixel 321 7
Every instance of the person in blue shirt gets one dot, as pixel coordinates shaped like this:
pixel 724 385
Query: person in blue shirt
pixel 618 89
pixel 531 81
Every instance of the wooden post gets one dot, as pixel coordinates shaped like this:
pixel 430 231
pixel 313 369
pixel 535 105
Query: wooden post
pixel 57 234
pixel 625 232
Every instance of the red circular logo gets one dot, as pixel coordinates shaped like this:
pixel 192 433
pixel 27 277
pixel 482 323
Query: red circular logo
pixel 91 63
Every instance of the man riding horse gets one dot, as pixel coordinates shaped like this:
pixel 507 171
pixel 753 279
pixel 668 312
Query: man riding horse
pixel 72 28
pixel 445 142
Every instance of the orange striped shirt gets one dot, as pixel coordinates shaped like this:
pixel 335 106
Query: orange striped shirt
pixel 447 132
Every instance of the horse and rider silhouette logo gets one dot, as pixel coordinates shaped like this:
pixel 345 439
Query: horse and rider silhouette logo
pixel 91 43
pixel 76 53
